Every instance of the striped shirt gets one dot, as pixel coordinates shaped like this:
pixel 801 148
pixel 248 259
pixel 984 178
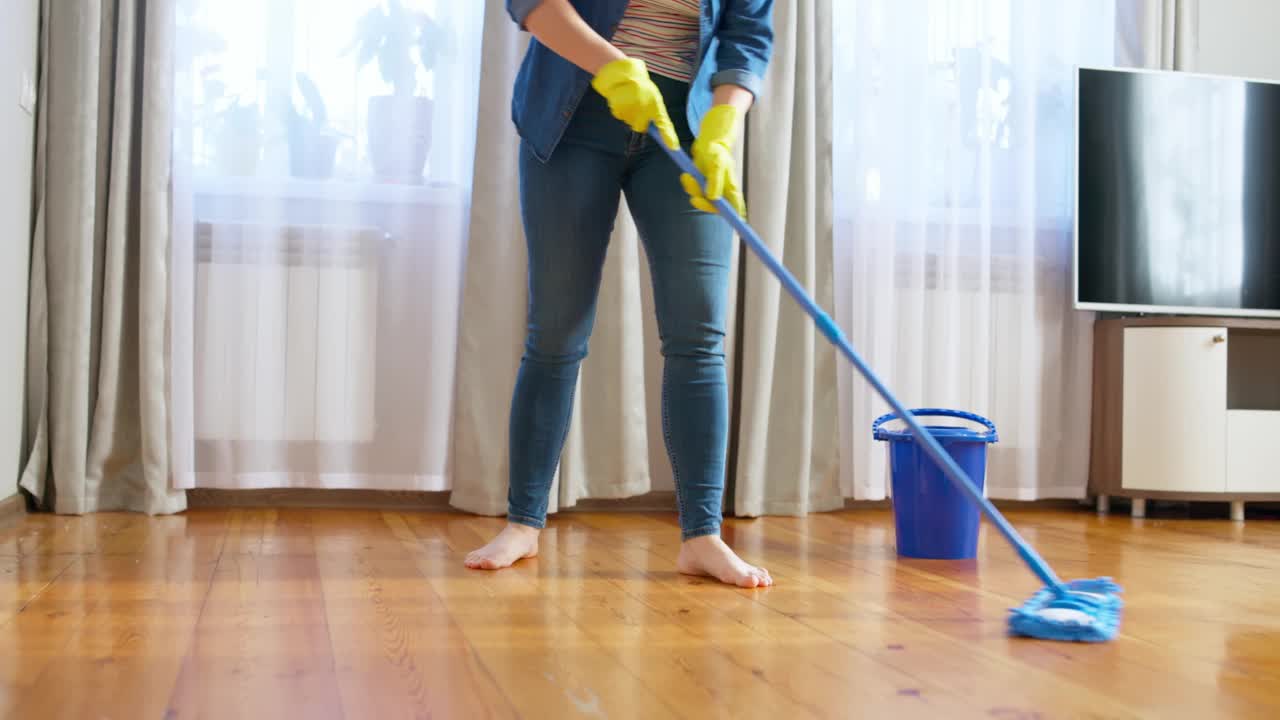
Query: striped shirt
pixel 662 33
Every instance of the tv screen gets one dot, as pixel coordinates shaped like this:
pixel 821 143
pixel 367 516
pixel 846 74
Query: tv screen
pixel 1177 193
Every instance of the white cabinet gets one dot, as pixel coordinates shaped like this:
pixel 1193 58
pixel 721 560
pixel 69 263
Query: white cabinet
pixel 1186 409
pixel 1175 409
pixel 1253 451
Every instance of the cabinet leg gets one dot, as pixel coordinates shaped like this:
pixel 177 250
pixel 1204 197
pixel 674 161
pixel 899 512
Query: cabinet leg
pixel 1139 507
pixel 1237 510
pixel 1104 504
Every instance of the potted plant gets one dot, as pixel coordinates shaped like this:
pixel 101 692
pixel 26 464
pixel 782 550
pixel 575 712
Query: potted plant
pixel 313 144
pixel 229 123
pixel 237 138
pixel 400 123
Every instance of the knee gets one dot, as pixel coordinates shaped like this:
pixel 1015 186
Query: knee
pixel 702 342
pixel 552 346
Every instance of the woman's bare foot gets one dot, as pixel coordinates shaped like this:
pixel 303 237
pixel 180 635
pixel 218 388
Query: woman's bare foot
pixel 709 556
pixel 515 542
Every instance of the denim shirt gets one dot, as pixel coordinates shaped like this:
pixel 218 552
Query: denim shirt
pixel 735 42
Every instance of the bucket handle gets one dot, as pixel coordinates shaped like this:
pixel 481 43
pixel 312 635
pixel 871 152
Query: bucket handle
pixel 880 433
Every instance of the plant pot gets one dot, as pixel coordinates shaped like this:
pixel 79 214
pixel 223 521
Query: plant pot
pixel 312 155
pixel 399 137
pixel 237 141
pixel 236 156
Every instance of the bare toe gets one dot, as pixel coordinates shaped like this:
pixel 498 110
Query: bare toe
pixel 514 543
pixel 711 556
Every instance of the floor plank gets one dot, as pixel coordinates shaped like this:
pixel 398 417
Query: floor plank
pixel 544 661
pixel 400 653
pixel 665 641
pixel 867 614
pixel 111 629
pixel 1124 669
pixel 786 655
pixel 261 647
pixel 354 614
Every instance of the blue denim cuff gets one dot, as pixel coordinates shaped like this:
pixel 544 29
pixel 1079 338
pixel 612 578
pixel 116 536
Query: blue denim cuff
pixel 527 521
pixel 699 532
pixel 742 78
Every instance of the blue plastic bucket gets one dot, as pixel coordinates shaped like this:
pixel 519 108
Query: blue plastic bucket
pixel 934 519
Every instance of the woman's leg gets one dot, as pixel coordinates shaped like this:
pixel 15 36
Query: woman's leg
pixel 690 253
pixel 569 205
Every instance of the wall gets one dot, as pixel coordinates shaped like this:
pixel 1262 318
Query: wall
pixel 19 29
pixel 1238 37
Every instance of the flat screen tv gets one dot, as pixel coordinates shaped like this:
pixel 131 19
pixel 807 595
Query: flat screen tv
pixel 1177 194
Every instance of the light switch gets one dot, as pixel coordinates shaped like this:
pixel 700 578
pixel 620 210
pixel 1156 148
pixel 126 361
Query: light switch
pixel 27 92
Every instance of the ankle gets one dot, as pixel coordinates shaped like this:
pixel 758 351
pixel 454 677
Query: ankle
pixel 525 531
pixel 701 541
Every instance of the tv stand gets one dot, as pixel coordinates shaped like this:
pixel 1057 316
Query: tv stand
pixel 1186 408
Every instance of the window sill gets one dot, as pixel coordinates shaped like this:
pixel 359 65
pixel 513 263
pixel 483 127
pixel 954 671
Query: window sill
pixel 436 210
pixel 958 218
pixel 284 188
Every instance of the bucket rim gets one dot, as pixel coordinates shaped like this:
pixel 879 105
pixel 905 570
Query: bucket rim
pixel 879 432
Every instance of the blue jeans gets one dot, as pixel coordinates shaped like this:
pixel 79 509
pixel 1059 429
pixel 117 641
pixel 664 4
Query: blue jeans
pixel 569 205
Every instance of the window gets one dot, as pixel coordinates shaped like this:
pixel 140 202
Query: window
pixel 299 90
pixel 949 111
pixel 323 155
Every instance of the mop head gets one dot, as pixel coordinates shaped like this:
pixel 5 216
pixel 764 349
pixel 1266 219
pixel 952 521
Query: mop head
pixel 1089 613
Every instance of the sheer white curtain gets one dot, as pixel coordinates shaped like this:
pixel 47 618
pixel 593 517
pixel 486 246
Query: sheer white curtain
pixel 953 185
pixel 323 161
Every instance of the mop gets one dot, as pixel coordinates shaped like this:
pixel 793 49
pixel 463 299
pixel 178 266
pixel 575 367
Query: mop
pixel 1079 610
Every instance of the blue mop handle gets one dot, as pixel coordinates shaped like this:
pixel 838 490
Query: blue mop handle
pixel 833 333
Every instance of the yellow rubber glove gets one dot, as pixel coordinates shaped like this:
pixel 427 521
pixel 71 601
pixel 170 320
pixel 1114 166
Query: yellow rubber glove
pixel 634 99
pixel 713 156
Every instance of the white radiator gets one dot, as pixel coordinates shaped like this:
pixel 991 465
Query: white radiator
pixel 285 333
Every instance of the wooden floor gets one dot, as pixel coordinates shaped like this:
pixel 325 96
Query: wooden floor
pixel 327 614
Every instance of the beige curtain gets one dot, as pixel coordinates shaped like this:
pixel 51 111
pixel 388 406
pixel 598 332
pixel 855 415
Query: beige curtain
pixel 492 319
pixel 614 448
pixel 1158 34
pixel 96 370
pixel 787 438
